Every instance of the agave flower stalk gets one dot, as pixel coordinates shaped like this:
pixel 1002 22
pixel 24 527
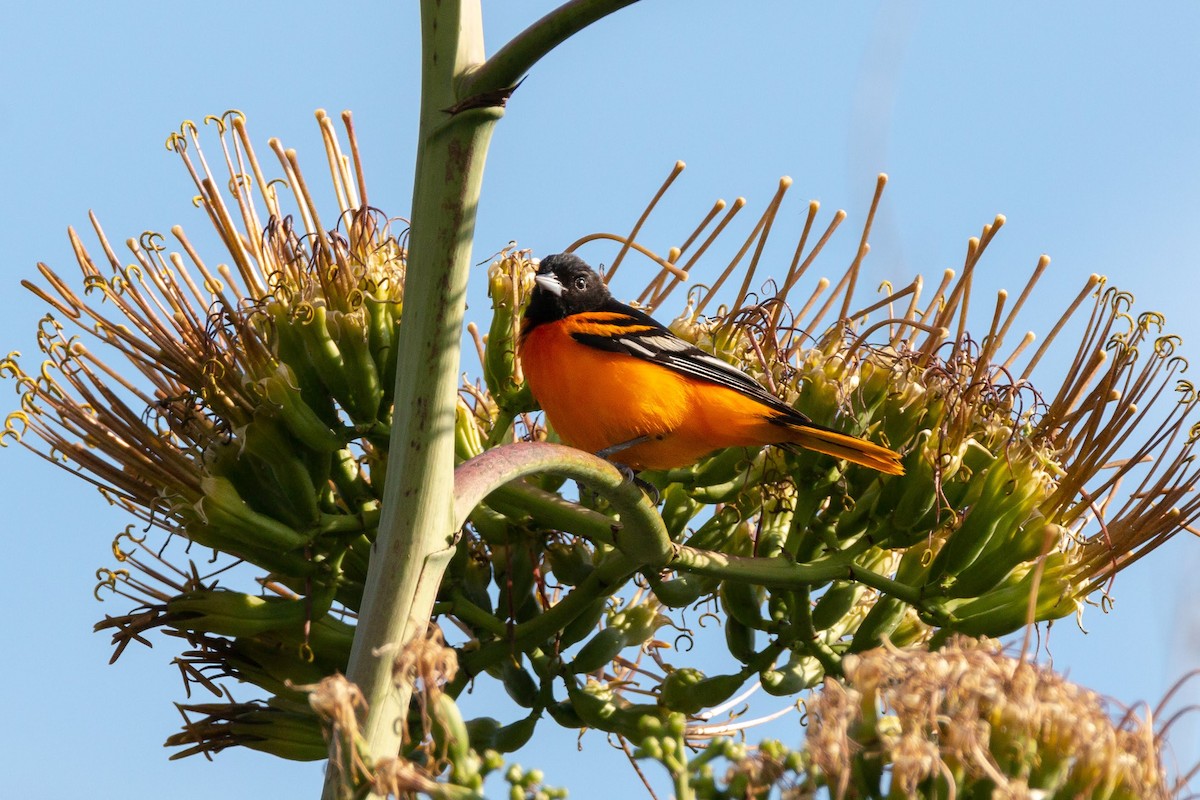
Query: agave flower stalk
pixel 462 97
pixel 250 410
pixel 257 423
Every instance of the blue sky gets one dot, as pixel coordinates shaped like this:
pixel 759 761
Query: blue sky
pixel 1077 121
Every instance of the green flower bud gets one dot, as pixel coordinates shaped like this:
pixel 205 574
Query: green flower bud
pixel 743 602
pixel 571 562
pixel 599 651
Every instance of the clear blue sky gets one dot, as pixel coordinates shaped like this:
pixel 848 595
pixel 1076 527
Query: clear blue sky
pixel 1078 121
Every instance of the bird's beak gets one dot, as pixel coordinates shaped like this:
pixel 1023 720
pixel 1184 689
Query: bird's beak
pixel 550 283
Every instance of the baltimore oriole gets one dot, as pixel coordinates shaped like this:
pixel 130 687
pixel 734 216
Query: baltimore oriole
pixel 613 381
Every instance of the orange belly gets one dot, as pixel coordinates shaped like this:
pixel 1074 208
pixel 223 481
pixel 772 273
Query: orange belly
pixel 595 400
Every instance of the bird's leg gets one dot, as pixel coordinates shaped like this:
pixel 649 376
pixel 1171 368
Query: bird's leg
pixel 616 448
pixel 627 471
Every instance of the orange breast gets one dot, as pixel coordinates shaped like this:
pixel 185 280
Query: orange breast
pixel 596 399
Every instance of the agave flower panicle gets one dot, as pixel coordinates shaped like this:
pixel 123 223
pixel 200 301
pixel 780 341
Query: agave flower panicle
pixel 252 413
pixel 1002 518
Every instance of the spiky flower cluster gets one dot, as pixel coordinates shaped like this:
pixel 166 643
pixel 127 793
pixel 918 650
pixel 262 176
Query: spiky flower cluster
pixel 251 416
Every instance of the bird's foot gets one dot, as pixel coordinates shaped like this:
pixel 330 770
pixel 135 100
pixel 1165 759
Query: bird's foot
pixel 630 476
pixel 628 472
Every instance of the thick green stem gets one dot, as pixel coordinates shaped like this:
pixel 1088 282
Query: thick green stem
pixel 641 534
pixel 418 523
pixel 517 57
pixel 417 527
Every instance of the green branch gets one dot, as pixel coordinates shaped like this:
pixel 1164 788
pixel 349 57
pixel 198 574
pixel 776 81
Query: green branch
pixel 603 582
pixel 640 534
pixel 783 574
pixel 504 69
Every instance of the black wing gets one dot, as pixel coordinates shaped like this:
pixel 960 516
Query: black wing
pixel 650 340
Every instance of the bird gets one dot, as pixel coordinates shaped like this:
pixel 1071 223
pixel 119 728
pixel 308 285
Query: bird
pixel 615 382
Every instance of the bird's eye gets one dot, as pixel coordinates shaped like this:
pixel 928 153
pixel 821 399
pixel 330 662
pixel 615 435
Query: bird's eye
pixel 580 283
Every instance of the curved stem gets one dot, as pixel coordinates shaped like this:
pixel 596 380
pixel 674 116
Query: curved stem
pixel 783 574
pixel 640 534
pixel 518 501
pixel 507 66
pixel 604 581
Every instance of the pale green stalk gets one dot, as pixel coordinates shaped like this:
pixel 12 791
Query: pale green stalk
pixel 462 97
pixel 416 530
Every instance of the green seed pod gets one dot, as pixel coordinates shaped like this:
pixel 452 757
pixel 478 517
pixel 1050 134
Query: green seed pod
pixel 468 441
pixel 677 510
pixel 681 591
pixel 913 517
pixel 595 703
pixel 835 603
pixel 992 518
pixel 880 621
pixel 571 562
pixel 493 527
pixel 800 673
pixel 481 732
pixel 362 379
pixel 286 734
pixel 383 322
pixel 717 532
pixel 321 351
pixel 476 577
pixel 289 341
pixel 1002 556
pixel 271 667
pixel 510 281
pixel 773 533
pixel 564 713
pixel 910 630
pixel 638 623
pixel 1005 608
pixel 779 608
pixel 225 514
pixel 676 690
pixel 689 691
pixel 230 613
pixel 743 602
pixel 739 639
pixel 454 737
pixel 914 564
pixel 860 514
pixel 599 651
pixel 600 708
pixel 713 691
pixel 751 474
pixel 718 469
pixel 301 421
pixel 519 684
pixel 515 735
pixel 584 624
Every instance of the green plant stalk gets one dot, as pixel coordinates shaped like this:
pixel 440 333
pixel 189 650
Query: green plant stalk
pixel 416 530
pixel 640 534
pixel 415 538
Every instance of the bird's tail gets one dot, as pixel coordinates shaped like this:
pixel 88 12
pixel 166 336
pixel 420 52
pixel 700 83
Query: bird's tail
pixel 840 445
